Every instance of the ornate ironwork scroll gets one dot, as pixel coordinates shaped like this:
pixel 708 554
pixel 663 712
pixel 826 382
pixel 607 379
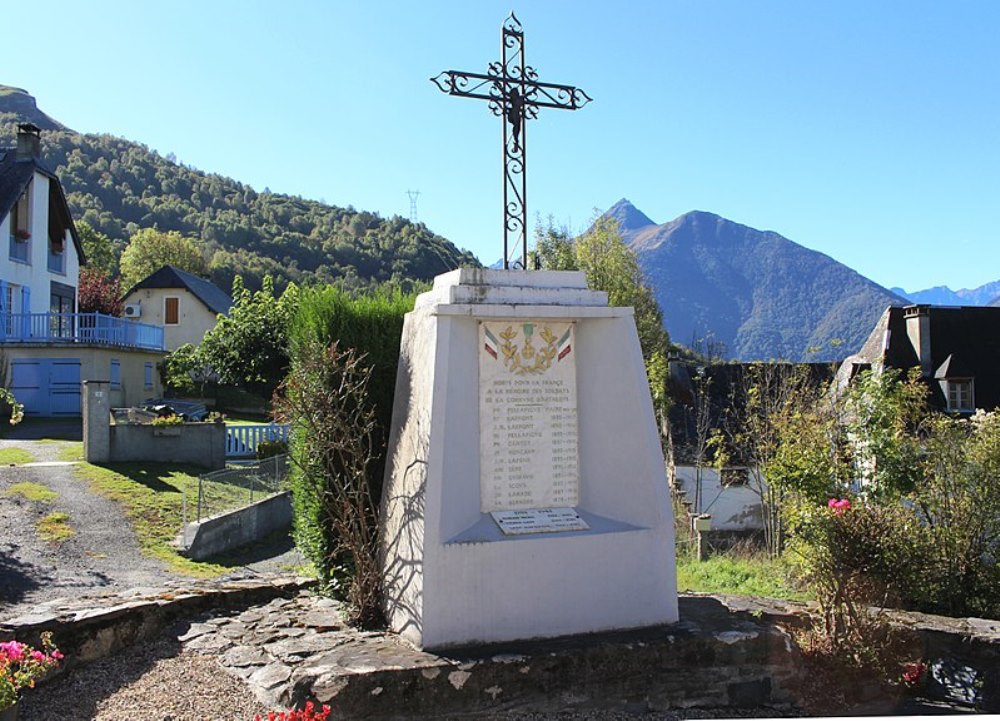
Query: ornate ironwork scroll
pixel 514 94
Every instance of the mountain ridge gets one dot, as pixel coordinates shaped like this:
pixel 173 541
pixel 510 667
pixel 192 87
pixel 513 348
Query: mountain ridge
pixel 762 295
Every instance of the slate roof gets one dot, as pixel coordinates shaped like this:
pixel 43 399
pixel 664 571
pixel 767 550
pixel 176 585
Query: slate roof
pixel 214 298
pixel 14 178
pixel 965 343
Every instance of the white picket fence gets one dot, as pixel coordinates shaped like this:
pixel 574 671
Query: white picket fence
pixel 241 441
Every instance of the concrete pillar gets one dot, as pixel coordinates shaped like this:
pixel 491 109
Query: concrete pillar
pixel 97 421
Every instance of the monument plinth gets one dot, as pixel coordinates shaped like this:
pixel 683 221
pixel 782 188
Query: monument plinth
pixel 525 494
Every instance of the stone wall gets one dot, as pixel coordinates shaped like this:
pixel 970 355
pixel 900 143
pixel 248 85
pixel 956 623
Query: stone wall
pixel 227 531
pixel 200 444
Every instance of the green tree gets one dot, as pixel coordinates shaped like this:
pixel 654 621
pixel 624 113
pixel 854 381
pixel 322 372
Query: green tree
pixel 98 249
pixel 610 265
pixel 249 347
pixel 884 408
pixel 148 250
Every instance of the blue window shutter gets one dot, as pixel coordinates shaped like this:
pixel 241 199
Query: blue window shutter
pixel 148 371
pixel 26 310
pixel 116 374
pixel 4 321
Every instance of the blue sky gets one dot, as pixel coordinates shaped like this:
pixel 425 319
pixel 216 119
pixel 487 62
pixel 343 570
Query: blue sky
pixel 869 131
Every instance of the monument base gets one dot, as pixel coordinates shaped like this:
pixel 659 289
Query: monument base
pixel 525 493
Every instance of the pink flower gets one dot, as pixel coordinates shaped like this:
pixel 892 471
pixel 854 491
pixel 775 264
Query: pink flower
pixel 38 656
pixel 838 506
pixel 57 655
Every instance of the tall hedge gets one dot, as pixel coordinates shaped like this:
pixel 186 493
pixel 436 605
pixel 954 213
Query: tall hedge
pixel 372 325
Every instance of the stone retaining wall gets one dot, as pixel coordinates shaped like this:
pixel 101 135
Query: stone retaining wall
pixel 226 531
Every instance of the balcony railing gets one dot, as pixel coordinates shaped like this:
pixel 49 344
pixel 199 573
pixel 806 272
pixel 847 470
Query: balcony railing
pixel 88 328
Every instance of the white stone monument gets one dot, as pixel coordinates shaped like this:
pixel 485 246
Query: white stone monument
pixel 525 494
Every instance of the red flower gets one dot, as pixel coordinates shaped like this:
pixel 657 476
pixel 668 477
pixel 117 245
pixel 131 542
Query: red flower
pixel 913 673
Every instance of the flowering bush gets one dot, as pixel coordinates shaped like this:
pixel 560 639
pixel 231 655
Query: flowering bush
pixel 913 674
pixel 838 507
pixel 171 420
pixel 21 665
pixel 17 409
pixel 309 713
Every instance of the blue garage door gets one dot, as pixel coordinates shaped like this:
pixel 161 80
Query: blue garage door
pixel 47 386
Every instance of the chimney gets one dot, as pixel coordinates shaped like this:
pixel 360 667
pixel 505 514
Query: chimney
pixel 29 142
pixel 918 330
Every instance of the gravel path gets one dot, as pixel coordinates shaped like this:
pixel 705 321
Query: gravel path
pixel 102 554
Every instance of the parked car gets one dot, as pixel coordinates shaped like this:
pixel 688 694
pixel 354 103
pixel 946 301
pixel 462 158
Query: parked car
pixel 188 410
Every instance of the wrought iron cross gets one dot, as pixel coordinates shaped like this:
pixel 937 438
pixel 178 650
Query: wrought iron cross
pixel 515 95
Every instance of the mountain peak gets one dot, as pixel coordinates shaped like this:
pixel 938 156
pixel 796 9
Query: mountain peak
pixel 628 216
pixel 23 104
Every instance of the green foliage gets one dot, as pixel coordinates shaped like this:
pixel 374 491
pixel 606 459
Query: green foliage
pixel 884 409
pixel 335 515
pixel 958 502
pixel 371 324
pixel 610 265
pixel 97 249
pixel 249 347
pixel 118 186
pixel 268 449
pixel 148 250
pixel 179 369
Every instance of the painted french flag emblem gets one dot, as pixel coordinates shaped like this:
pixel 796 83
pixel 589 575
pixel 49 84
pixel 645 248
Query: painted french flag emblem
pixel 490 344
pixel 565 344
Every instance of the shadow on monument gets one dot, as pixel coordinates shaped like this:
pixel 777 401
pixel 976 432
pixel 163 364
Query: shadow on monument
pixel 402 550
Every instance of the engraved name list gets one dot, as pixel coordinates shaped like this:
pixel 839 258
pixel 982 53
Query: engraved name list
pixel 527 415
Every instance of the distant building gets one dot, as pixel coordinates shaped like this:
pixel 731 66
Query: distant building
pixel 185 305
pixel 956 348
pixel 48 347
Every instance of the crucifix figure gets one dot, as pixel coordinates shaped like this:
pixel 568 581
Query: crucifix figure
pixel 515 95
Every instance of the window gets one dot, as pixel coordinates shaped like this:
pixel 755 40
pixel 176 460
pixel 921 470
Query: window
pixel 959 395
pixel 20 229
pixel 116 375
pixel 171 311
pixel 148 375
pixel 62 301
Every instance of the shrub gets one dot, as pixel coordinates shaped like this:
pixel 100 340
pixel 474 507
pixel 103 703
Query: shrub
pixel 268 449
pixel 335 515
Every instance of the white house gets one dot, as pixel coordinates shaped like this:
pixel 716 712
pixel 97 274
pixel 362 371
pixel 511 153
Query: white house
pixel 47 348
pixel 185 305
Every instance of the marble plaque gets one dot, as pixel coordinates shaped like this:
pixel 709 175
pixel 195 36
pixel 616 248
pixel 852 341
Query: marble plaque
pixel 527 415
pixel 544 520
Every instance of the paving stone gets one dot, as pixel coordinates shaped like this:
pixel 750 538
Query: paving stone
pixel 194 631
pixel 240 656
pixel 270 676
pixel 303 646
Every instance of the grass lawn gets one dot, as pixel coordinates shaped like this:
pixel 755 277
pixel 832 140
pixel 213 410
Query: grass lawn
pixel 740 574
pixel 15 456
pixel 243 421
pixel 71 451
pixel 151 496
pixel 55 527
pixel 32 492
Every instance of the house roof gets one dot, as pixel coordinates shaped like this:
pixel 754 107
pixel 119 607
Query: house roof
pixel 964 343
pixel 14 178
pixel 214 298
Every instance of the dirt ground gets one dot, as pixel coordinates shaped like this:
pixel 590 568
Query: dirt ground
pixel 103 553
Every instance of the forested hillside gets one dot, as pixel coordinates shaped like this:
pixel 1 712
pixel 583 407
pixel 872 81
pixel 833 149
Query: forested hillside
pixel 119 186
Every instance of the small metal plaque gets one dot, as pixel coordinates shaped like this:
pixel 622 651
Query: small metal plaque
pixel 539 520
